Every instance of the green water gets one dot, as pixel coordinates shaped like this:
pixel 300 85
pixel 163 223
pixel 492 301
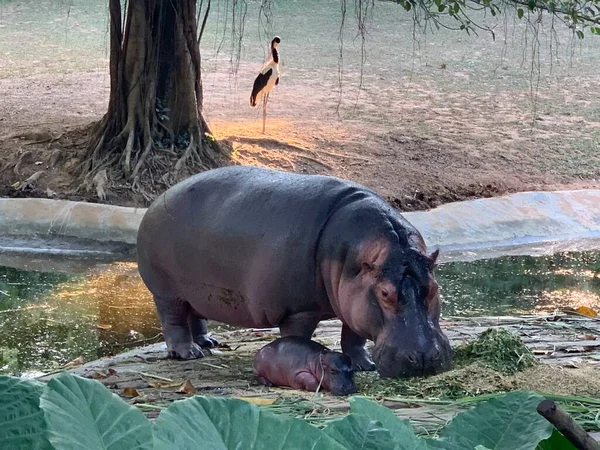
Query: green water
pixel 523 284
pixel 48 319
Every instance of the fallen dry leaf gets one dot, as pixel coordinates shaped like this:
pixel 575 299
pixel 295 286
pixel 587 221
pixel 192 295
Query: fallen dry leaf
pixel 130 392
pixel 586 337
pixel 76 362
pixel 258 400
pixel 187 388
pixel 103 326
pixel 586 311
pixel 98 375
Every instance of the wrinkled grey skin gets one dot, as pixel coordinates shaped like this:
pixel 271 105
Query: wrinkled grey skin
pixel 256 247
pixel 301 363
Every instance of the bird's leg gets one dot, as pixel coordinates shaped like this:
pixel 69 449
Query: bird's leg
pixel 265 99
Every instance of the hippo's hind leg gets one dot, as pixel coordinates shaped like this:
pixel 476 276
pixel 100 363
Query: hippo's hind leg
pixel 174 314
pixel 199 328
pixel 264 381
pixel 354 346
pixel 300 324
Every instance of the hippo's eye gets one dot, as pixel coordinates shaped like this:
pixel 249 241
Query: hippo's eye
pixel 387 296
pixel 334 371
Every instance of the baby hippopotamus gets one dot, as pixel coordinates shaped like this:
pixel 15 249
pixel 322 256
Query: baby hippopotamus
pixel 301 363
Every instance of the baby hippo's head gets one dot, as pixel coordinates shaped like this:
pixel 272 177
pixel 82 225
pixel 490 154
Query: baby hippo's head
pixel 338 375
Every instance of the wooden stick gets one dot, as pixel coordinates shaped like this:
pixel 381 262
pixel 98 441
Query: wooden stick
pixel 567 426
pixel 157 377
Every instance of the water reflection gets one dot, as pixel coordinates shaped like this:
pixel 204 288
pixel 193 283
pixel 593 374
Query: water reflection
pixel 520 284
pixel 55 318
pixel 48 319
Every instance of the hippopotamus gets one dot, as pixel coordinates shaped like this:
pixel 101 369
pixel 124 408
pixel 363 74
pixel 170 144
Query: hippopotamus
pixel 302 363
pixel 256 247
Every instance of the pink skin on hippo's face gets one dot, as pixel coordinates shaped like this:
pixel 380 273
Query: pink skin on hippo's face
pixel 401 311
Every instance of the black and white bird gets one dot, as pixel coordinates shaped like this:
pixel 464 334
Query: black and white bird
pixel 266 80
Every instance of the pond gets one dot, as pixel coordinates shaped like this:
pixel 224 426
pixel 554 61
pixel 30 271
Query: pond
pixel 52 313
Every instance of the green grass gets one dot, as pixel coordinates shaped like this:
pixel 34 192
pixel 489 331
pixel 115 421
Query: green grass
pixel 498 349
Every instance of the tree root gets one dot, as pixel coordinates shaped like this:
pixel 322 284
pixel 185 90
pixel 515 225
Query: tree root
pixel 148 170
pixel 155 65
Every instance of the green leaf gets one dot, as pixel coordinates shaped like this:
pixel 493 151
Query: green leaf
pixel 505 423
pixel 21 419
pixel 520 13
pixel 556 442
pixel 358 432
pixel 224 424
pixel 83 414
pixel 456 8
pixel 580 34
pixel 401 430
pixel 531 5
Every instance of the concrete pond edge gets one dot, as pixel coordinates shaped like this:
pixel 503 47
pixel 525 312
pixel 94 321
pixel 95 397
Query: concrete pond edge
pixel 518 223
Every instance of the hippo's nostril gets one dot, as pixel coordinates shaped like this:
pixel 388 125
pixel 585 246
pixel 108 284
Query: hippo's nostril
pixel 412 358
pixel 436 355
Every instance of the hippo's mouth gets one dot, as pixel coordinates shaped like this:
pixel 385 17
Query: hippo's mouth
pixel 404 363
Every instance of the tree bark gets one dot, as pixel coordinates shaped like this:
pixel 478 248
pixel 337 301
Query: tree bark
pixel 153 133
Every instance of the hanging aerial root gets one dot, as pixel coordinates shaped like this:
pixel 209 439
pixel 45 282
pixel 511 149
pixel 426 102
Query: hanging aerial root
pixel 128 150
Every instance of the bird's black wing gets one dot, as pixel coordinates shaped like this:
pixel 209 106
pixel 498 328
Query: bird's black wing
pixel 259 84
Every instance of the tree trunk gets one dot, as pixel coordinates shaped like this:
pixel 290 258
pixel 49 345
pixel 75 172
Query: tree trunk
pixel 153 134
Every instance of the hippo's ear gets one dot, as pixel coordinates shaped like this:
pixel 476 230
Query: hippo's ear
pixel 367 267
pixel 433 257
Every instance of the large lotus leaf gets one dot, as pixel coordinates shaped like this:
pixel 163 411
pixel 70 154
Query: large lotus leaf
pixel 556 442
pixel 21 419
pixel 83 414
pixel 358 432
pixel 510 422
pixel 401 431
pixel 227 424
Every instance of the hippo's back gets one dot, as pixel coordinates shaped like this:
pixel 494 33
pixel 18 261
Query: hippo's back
pixel 240 239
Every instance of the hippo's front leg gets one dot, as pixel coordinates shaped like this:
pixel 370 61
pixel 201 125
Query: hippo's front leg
pixel 307 382
pixel 354 346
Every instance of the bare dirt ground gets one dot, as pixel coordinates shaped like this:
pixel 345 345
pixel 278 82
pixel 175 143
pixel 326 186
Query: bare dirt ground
pixel 453 121
pixel 476 158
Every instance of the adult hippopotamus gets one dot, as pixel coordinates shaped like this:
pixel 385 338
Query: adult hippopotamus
pixel 256 247
pixel 301 363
